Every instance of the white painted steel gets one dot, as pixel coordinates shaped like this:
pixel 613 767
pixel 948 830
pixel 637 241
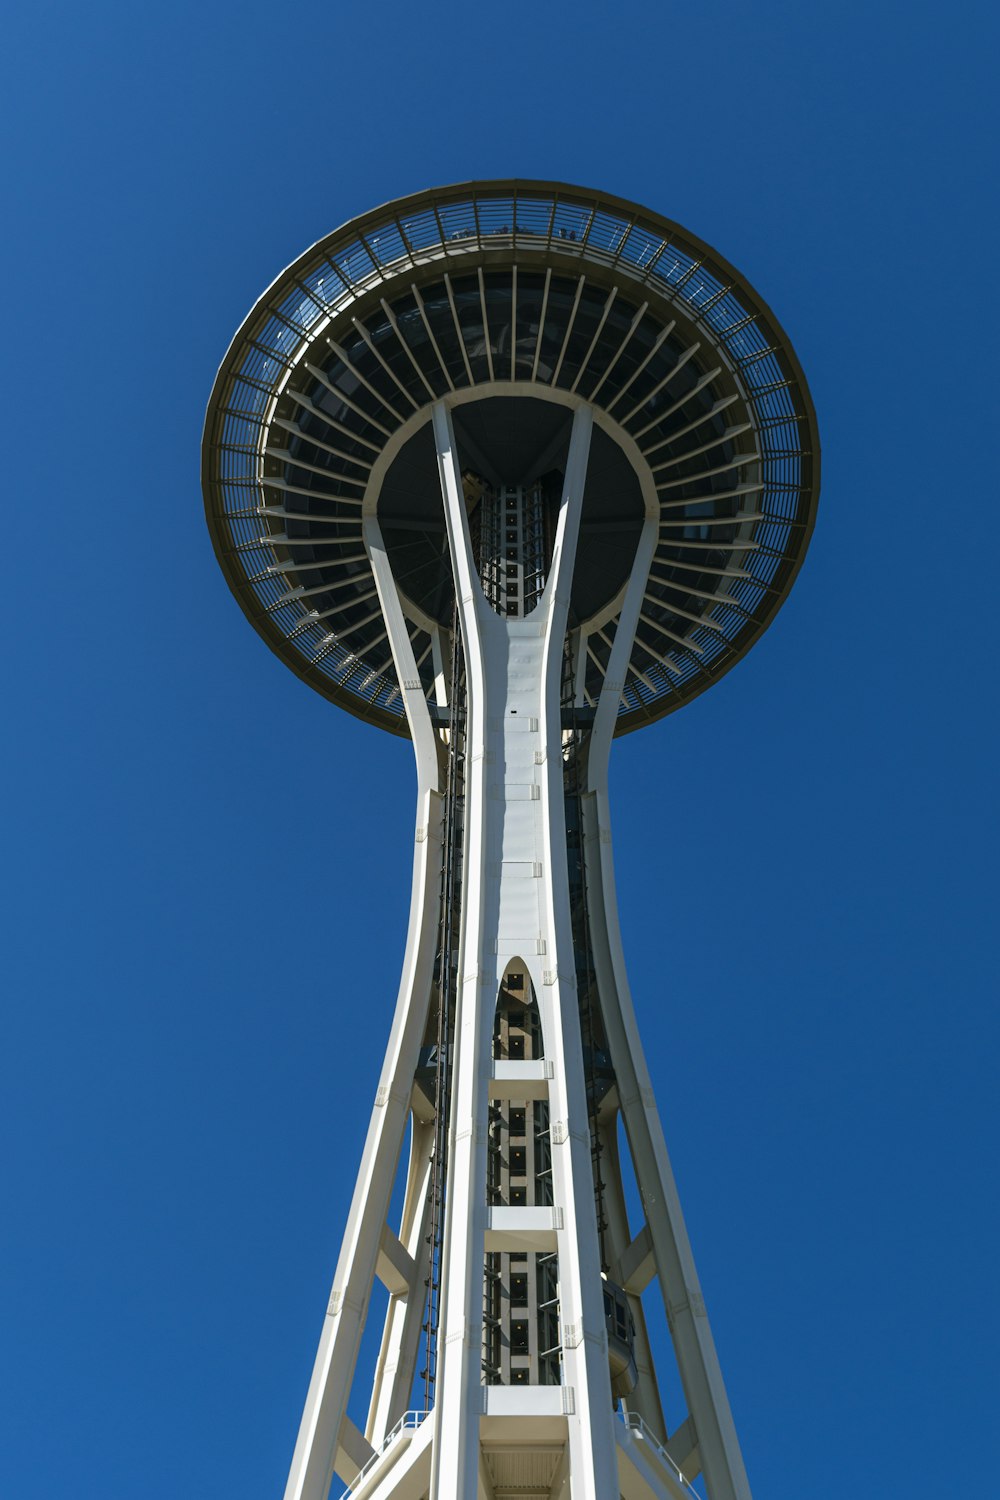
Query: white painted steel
pixel 397 1360
pixel 315 1452
pixel 516 895
pixel 697 1360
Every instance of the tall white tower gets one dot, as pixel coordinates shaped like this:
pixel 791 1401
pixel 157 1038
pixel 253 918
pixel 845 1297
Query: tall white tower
pixel 511 468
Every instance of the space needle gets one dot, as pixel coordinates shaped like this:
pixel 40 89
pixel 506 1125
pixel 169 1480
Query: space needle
pixel 508 469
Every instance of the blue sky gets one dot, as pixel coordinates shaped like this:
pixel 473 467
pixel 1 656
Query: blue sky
pixel 202 961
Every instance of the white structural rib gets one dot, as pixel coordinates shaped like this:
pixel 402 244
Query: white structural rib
pixel 324 1443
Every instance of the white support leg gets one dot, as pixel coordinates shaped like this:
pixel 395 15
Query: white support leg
pixel 697 1361
pixel 397 1361
pixel 645 1399
pixel 316 1447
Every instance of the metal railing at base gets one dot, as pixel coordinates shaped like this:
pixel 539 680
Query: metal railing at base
pixel 638 1428
pixel 409 1421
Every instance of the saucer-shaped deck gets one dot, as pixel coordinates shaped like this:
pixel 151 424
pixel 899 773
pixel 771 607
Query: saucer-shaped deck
pixel 514 302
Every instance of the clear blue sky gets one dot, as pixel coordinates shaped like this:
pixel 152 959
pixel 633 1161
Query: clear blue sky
pixel 208 865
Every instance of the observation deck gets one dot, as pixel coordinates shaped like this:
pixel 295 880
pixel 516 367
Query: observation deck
pixel 514 302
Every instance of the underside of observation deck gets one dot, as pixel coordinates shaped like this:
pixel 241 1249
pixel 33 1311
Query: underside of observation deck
pixel 478 295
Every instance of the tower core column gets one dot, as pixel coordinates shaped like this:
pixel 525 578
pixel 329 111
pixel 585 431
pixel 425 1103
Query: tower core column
pixel 515 904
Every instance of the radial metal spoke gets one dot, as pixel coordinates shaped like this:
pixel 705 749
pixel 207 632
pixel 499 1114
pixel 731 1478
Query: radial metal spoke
pixel 753 359
pixel 700 545
pixel 738 519
pixel 352 405
pixel 364 334
pixel 664 661
pixel 458 328
pixel 277 482
pixel 487 341
pixel 305 404
pixel 681 640
pixel 279 539
pixel 657 342
pixel 291 566
pixel 707 416
pixel 353 660
pixel 569 330
pixel 324 588
pixel 394 325
pixel 363 380
pixel 541 316
pixel 737 573
pixel 325 614
pixel 597 333
pixel 736 462
pixel 758 488
pixel 430 334
pixel 686 588
pixel 631 668
pixel 679 364
pixel 285 456
pixel 513 313
pixel 594 657
pixel 307 437
pixel 685 614
pixel 663 415
pixel 725 437
pixel 609 367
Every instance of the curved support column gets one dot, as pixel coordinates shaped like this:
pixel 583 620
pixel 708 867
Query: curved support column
pixel 697 1361
pixel 320 1430
pixel 397 1361
pixel 645 1399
